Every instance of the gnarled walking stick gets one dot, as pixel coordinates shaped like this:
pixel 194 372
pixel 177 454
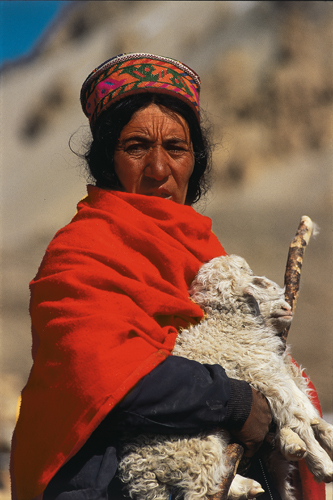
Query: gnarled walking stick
pixel 233 456
pixel 294 265
pixel 291 281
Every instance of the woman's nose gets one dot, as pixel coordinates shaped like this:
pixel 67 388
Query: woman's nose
pixel 157 166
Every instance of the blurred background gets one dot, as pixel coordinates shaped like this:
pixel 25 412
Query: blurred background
pixel 267 94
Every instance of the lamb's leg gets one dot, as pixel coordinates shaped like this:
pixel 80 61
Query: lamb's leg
pixel 290 444
pixel 298 415
pixel 318 438
pixel 322 430
pixel 244 488
pixel 316 458
pixel 324 434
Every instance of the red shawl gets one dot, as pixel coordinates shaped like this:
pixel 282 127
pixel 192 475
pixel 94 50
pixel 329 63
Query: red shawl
pixel 106 304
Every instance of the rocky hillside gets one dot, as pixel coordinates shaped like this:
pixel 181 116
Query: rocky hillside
pixel 267 92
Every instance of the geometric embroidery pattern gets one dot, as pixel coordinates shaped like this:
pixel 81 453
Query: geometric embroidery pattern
pixel 128 74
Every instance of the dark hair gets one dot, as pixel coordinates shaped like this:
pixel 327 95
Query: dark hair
pixel 107 130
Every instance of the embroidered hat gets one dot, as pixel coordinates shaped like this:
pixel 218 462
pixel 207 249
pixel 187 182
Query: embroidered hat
pixel 128 74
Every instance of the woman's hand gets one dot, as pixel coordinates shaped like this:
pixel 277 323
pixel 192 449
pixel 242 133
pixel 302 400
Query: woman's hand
pixel 257 425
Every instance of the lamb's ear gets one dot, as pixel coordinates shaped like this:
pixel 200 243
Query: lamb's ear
pixel 251 301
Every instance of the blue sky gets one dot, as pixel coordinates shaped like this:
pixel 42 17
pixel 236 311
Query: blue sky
pixel 22 23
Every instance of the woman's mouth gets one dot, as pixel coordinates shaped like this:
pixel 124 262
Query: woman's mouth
pixel 161 194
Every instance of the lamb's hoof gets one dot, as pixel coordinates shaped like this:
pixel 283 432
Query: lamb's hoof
pixel 292 446
pixel 294 452
pixel 242 489
pixel 255 491
pixel 328 478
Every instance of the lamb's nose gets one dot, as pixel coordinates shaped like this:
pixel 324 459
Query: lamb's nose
pixel 286 307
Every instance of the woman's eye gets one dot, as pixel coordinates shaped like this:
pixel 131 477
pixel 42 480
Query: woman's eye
pixel 177 149
pixel 142 147
pixel 136 148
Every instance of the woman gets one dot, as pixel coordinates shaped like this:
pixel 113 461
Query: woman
pixel 111 294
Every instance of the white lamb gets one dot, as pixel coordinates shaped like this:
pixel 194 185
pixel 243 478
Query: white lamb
pixel 243 316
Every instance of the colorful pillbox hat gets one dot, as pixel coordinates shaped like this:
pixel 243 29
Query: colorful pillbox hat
pixel 128 74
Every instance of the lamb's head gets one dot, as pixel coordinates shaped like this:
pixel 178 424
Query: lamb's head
pixel 227 283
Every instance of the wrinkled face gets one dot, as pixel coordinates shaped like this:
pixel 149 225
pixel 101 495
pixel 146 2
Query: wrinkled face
pixel 154 156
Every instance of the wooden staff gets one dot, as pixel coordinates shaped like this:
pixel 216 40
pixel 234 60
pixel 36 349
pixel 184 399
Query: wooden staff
pixel 294 265
pixel 292 277
pixel 233 456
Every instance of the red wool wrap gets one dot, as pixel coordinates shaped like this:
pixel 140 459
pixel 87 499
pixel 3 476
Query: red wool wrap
pixel 106 304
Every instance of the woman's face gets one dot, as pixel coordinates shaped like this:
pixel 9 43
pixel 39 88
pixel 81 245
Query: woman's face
pixel 154 155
